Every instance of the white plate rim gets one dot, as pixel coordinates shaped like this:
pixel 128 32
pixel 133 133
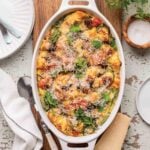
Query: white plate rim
pixel 137 100
pixel 27 37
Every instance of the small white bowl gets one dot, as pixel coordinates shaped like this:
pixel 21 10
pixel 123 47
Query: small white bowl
pixel 143 101
pixel 126 26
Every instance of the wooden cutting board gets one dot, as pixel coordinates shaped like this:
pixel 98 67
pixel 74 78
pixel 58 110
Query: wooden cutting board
pixel 44 9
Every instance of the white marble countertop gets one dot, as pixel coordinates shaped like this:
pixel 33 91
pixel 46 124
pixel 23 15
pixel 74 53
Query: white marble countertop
pixel 137 70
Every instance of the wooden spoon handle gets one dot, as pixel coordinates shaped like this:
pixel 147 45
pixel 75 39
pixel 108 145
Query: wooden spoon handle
pixel 37 117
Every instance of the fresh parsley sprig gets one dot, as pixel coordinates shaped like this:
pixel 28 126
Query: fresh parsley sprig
pixel 80 66
pixel 75 28
pixel 87 121
pixel 55 35
pixel 96 44
pixel 124 3
pixel 141 14
pixel 50 102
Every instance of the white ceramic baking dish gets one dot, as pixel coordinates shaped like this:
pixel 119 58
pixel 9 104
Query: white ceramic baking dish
pixel 66 8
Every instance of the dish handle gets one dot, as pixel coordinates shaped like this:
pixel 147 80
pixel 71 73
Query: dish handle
pixel 65 145
pixel 66 4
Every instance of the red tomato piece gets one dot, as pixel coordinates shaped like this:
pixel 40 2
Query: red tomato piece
pixel 83 104
pixel 96 22
pixel 75 133
pixel 44 82
pixel 79 104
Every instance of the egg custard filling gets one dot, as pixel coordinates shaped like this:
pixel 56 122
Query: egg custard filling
pixel 78 73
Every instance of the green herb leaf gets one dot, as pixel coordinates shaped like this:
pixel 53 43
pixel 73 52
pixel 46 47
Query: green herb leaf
pixel 88 121
pixel 96 44
pixel 75 28
pixel 102 105
pixel 79 74
pixel 81 63
pixel 106 96
pixel 69 40
pixel 80 66
pixel 44 105
pixel 100 108
pixel 55 35
pixel 79 113
pixel 113 43
pixel 124 3
pixel 141 14
pixel 49 100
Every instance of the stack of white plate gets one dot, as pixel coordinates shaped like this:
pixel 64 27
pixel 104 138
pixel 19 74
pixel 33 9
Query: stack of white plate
pixel 143 101
pixel 21 14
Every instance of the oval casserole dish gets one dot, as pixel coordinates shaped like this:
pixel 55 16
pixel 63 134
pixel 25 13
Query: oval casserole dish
pixel 64 10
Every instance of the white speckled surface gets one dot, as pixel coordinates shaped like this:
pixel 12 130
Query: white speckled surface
pixel 137 70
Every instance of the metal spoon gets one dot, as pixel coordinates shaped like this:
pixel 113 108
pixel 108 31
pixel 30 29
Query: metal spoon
pixel 25 90
pixel 5 34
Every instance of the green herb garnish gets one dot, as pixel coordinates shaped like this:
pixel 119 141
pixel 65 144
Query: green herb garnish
pixel 45 107
pixel 80 66
pixel 106 96
pixel 81 63
pixel 75 28
pixel 79 113
pixel 88 121
pixel 69 40
pixel 102 105
pixel 113 43
pixel 55 35
pixel 124 3
pixel 100 108
pixel 79 74
pixel 50 101
pixel 96 44
pixel 141 14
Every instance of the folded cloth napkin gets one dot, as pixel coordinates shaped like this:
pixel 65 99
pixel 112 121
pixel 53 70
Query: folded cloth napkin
pixel 18 114
pixel 114 136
